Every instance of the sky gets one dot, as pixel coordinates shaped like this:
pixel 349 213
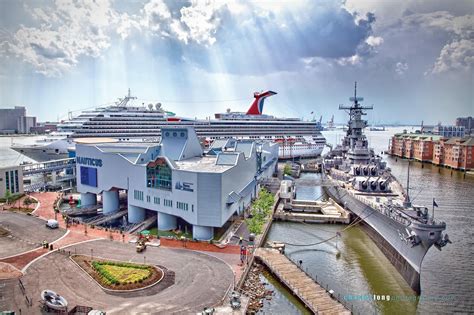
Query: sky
pixel 413 60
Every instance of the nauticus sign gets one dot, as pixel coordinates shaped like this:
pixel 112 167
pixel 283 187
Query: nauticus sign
pixel 88 161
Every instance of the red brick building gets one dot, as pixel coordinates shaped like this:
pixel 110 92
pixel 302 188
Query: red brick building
pixel 453 152
pixel 413 146
pixel 458 153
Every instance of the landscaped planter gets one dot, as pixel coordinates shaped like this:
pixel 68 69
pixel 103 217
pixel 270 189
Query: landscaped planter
pixel 117 275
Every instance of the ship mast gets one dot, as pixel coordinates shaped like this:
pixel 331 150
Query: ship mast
pixel 355 141
pixel 407 202
pixel 123 101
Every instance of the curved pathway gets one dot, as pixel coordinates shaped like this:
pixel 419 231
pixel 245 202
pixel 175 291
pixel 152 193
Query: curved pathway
pixel 203 271
pixel 200 280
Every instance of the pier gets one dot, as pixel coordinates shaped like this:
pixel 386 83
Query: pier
pixel 315 297
pixel 311 211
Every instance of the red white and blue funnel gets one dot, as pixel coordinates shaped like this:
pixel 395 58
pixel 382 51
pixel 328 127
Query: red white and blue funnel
pixel 257 105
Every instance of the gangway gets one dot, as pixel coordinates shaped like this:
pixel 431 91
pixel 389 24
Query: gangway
pixel 101 219
pixel 41 174
pixel 89 210
pixel 48 166
pixel 144 225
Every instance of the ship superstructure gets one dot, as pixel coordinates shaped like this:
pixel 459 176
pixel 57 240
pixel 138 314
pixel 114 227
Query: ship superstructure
pixel 125 122
pixel 364 185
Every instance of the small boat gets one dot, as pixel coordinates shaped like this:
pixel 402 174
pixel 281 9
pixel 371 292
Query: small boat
pixel 53 301
pixel 377 128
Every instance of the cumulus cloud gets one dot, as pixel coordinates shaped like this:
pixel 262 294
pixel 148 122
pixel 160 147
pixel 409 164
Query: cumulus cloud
pixel 374 41
pixel 66 31
pixel 458 55
pixel 252 37
pixel 285 38
pixel 196 21
pixel 458 52
pixel 401 68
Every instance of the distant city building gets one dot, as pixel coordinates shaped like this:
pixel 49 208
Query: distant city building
pixel 11 179
pixel 186 188
pixel 14 120
pixel 454 152
pixel 44 127
pixel 443 131
pixel 467 123
pixel 25 123
pixel 449 131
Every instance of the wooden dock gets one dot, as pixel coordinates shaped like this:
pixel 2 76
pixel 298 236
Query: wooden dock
pixel 316 298
pixel 310 211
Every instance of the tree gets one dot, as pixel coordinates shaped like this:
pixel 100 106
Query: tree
pixel 27 202
pixel 8 196
pixel 287 169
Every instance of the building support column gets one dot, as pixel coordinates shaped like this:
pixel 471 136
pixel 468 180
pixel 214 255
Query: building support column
pixel 166 222
pixel 136 214
pixel 110 201
pixel 203 233
pixel 88 199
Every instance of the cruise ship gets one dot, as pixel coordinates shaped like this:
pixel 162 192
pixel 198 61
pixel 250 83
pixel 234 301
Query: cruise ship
pixel 126 122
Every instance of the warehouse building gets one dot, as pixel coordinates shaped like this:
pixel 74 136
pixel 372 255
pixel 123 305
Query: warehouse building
pixel 175 178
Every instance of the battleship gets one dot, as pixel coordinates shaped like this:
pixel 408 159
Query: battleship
pixel 363 184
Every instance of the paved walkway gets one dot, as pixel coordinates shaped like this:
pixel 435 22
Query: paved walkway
pixel 79 233
pixel 197 280
pixel 310 292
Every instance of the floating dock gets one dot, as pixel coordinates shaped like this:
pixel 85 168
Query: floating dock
pixel 315 297
pixel 312 211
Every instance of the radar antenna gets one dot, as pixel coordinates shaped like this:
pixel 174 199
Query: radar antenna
pixel 122 102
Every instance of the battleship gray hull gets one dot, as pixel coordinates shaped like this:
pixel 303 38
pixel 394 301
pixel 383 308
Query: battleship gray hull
pixel 407 259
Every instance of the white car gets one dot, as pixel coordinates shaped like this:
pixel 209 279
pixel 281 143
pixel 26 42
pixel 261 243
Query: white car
pixel 52 224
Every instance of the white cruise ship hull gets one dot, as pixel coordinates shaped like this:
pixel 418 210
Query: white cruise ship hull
pixel 59 149
pixel 45 150
pixel 300 150
pixel 41 155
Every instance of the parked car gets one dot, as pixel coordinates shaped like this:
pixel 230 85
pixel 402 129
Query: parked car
pixel 52 224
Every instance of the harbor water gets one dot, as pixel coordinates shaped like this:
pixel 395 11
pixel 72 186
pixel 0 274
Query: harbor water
pixel 354 267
